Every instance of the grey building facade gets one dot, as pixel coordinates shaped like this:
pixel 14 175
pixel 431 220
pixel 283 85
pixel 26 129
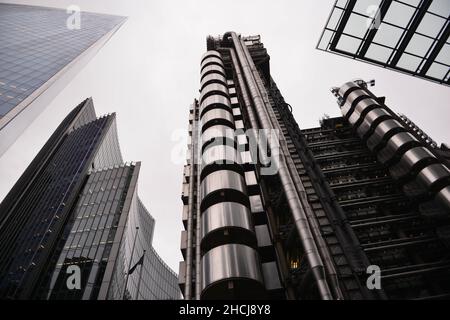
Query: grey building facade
pixel 340 201
pixel 76 206
pixel 40 52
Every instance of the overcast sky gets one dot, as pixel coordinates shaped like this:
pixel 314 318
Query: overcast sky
pixel 149 74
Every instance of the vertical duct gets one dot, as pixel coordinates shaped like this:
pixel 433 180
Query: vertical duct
pixel 297 207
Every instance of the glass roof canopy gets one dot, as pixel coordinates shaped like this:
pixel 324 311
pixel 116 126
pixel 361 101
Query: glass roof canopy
pixel 410 36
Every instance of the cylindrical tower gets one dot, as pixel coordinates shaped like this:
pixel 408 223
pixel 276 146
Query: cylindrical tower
pixel 230 264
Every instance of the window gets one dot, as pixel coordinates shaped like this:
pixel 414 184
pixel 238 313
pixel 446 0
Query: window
pixel 348 44
pixel 399 14
pixel 419 45
pixel 250 178
pixel 431 25
pixel 409 62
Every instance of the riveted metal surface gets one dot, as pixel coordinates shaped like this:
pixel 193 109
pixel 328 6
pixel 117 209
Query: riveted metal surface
pixel 215 115
pixel 222 179
pixel 380 132
pixel 408 160
pixel 370 117
pixel 220 154
pixel 431 174
pixel 215 99
pixel 360 107
pixel 226 215
pixel 393 144
pixel 230 261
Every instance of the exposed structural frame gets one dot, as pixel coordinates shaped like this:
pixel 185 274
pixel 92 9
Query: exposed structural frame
pixel 421 172
pixel 241 260
pixel 332 208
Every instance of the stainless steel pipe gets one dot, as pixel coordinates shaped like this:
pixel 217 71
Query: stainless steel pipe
pixel 301 220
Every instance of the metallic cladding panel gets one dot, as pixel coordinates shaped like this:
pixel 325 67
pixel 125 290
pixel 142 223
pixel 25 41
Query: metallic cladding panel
pixel 360 107
pixel 212 69
pixel 220 154
pixel 183 240
pixel 222 179
pixel 213 87
pixel 431 174
pixel 226 215
pixel 263 235
pixel 408 160
pixel 370 117
pixel 347 86
pixel 230 261
pixel 348 103
pixel 213 100
pixel 217 133
pixel 443 196
pixel 394 143
pixel 217 115
pixel 212 53
pixel 223 261
pixel 270 274
pixel 383 128
pixel 213 77
pixel 211 60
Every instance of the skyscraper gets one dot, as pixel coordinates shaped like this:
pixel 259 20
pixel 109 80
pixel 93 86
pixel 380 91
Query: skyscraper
pixel 406 36
pixel 309 214
pixel 41 50
pixel 76 208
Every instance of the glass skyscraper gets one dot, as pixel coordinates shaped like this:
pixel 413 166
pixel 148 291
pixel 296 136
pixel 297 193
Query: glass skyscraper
pixel 366 190
pixel 39 54
pixel 407 36
pixel 76 205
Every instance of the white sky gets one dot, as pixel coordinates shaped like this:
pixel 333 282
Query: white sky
pixel 149 74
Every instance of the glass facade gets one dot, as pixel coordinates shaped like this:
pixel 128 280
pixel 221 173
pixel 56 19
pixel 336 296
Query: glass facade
pixel 35 46
pixel 153 280
pixel 96 239
pixel 77 204
pixel 407 36
pixel 92 232
pixel 32 221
